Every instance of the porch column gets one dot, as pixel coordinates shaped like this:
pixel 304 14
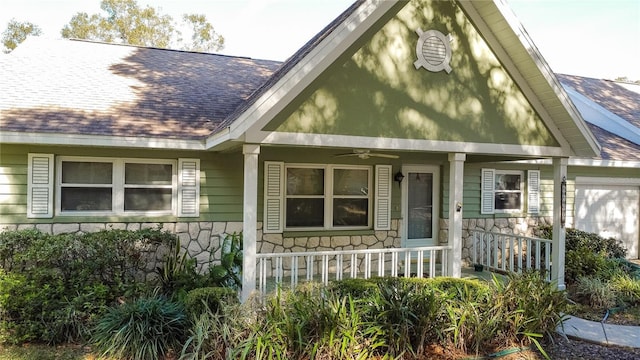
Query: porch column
pixel 559 232
pixel 456 174
pixel 250 219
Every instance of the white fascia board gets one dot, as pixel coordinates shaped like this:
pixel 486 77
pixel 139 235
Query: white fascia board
pixel 99 140
pixel 346 141
pixel 587 163
pixel 603 118
pixel 308 69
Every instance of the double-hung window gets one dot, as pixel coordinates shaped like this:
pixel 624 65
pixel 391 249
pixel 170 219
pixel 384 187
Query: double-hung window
pixel 327 197
pixel 503 191
pixel 116 186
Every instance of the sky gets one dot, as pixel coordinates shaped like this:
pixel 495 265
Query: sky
pixel 593 38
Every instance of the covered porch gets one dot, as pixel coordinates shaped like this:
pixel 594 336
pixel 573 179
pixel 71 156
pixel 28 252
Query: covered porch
pixel 263 268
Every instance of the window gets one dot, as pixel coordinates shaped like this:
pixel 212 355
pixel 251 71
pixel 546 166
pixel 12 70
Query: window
pixel 503 191
pixel 109 186
pixel 508 191
pixel 327 197
pixel 116 186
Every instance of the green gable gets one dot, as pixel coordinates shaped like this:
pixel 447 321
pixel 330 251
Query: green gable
pixel 375 90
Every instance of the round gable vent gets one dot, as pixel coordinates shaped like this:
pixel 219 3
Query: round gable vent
pixel 433 50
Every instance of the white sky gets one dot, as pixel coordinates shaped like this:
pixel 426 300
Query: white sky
pixel 595 38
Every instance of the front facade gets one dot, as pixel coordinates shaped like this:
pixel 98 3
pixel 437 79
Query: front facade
pixel 400 125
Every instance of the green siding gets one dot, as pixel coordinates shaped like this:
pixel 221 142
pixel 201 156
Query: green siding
pixel 374 89
pixel 220 180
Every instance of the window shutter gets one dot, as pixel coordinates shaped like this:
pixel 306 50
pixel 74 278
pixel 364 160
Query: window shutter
pixel 533 189
pixel 383 198
pixel 40 186
pixel 273 197
pixel 188 187
pixel 487 203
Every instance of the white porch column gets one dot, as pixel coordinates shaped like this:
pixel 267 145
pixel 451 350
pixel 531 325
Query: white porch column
pixel 559 232
pixel 456 174
pixel 250 219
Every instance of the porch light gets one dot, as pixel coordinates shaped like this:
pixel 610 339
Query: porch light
pixel 398 177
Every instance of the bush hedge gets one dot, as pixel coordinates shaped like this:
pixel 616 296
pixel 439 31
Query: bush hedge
pixel 53 286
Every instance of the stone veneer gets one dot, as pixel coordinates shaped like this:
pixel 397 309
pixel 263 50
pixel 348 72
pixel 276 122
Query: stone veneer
pixel 202 240
pixel 517 225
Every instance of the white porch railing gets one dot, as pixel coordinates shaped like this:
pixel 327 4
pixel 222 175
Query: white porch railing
pixel 509 252
pixel 274 268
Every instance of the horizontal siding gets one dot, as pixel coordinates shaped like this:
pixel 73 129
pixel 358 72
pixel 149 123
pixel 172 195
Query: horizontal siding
pixel 220 176
pixel 13 183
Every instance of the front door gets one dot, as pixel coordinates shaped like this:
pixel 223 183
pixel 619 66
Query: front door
pixel 420 205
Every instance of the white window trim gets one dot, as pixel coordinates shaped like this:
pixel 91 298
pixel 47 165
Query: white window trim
pixel 117 185
pixel 328 196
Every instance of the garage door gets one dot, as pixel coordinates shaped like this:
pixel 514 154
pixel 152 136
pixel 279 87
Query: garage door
pixel 610 211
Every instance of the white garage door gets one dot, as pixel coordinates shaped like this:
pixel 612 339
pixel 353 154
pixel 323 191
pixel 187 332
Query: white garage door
pixel 610 211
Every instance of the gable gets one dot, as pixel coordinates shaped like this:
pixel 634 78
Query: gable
pixel 374 89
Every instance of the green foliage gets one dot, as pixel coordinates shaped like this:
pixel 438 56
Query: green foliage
pixel 178 275
pixel 577 239
pixel 126 22
pixel 147 328
pixel 627 289
pixel 53 286
pixel 209 299
pixel 595 291
pixel 17 32
pixel 229 272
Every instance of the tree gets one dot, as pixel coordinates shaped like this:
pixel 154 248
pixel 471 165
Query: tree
pixel 126 22
pixel 17 32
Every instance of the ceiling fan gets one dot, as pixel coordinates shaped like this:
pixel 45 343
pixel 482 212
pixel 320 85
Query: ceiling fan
pixel 365 154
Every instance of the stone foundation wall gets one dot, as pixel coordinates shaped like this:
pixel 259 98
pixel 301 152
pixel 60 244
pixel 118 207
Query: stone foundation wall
pixel 202 240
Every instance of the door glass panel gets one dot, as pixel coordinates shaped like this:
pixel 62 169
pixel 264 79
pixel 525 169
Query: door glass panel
pixel 420 206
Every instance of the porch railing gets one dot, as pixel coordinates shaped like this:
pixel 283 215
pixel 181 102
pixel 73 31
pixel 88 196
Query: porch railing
pixel 275 269
pixel 510 252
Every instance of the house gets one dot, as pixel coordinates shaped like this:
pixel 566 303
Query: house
pixel 401 125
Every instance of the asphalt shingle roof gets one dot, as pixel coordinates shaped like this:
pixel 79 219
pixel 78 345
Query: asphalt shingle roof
pixel 80 87
pixel 619 101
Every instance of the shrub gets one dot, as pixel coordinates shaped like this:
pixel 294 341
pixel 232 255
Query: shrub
pixel 577 239
pixel 229 272
pixel 59 283
pixel 208 299
pixel 627 288
pixel 147 328
pixel 596 292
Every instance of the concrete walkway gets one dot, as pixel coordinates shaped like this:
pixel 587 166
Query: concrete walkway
pixel 601 333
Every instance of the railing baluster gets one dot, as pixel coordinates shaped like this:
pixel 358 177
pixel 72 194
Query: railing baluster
pixel 394 263
pixel 538 244
pixel 367 265
pixel 407 263
pixel 339 268
pixel 420 264
pixel 354 264
pixel 310 259
pixel 294 271
pixel 511 262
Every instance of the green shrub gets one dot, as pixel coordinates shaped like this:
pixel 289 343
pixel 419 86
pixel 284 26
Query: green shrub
pixel 596 292
pixel 208 299
pixel 627 289
pixel 577 239
pixel 147 328
pixel 356 288
pixel 59 283
pixel 177 274
pixel 228 273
